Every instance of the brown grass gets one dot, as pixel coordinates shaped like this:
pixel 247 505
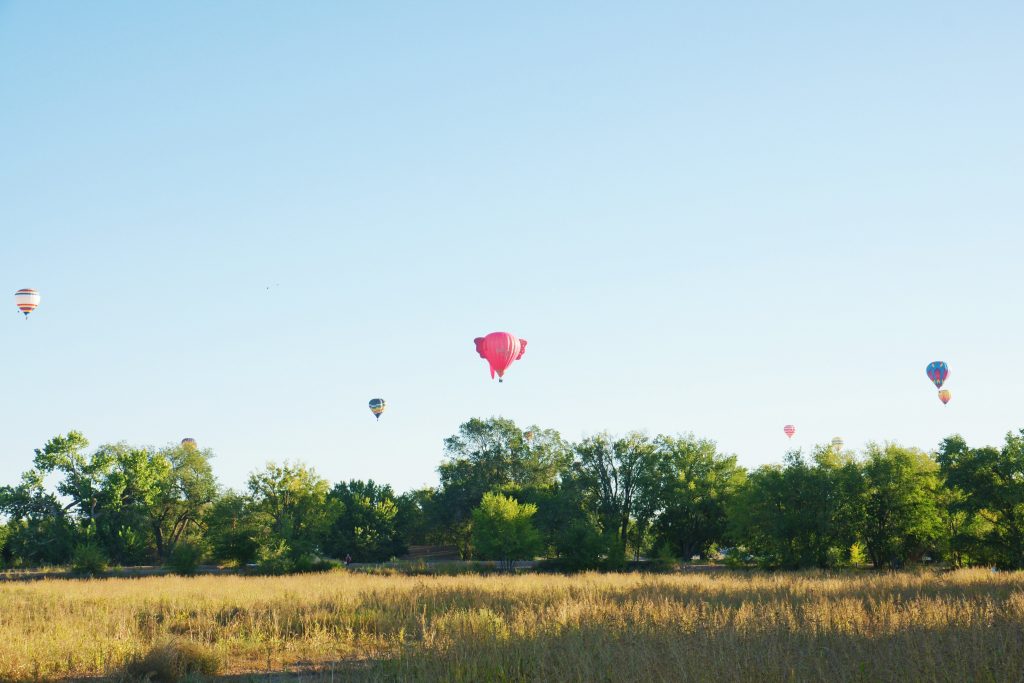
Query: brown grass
pixel 966 625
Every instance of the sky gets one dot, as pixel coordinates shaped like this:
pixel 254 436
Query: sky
pixel 246 219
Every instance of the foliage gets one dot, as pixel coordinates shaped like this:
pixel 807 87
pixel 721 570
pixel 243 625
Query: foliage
pixel 185 558
pixel 88 559
pixel 595 504
pixel 902 519
pixel 502 530
pixel 364 523
pixel 989 484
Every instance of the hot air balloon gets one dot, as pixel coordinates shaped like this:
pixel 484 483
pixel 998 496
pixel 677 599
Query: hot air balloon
pixel 529 436
pixel 377 406
pixel 937 372
pixel 944 396
pixel 500 349
pixel 790 430
pixel 837 444
pixel 26 300
pixel 189 443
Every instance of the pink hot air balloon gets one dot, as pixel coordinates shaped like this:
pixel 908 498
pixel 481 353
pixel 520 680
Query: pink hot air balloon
pixel 790 430
pixel 500 349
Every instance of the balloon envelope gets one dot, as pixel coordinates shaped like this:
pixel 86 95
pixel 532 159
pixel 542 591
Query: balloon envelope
pixel 377 406
pixel 790 430
pixel 937 371
pixel 837 443
pixel 26 300
pixel 188 442
pixel 944 396
pixel 500 349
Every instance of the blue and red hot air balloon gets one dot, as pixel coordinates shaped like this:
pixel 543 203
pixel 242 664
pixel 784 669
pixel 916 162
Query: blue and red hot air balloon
pixel 500 350
pixel 937 371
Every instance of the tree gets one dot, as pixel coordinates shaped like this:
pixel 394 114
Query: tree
pixel 617 475
pixel 802 514
pixel 492 455
pixel 901 518
pixel 503 530
pixel 990 482
pixel 290 502
pixel 233 529
pixel 364 522
pixel 695 484
pixel 39 529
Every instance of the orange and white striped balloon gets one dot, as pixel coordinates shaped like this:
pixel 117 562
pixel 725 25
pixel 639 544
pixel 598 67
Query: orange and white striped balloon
pixel 26 300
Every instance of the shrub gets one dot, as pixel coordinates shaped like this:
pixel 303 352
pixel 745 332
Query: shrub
pixel 171 662
pixel 88 559
pixel 275 558
pixel 185 558
pixel 309 563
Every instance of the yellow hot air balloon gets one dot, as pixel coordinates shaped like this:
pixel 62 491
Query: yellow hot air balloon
pixel 944 396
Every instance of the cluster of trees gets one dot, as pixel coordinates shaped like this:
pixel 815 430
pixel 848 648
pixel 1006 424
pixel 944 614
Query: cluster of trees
pixel 508 494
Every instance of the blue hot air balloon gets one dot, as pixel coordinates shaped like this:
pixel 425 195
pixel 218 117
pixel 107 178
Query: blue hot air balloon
pixel 937 371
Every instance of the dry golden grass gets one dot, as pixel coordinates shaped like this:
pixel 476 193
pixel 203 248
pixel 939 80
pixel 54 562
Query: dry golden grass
pixel 959 626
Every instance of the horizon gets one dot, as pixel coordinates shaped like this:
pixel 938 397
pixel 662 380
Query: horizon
pixel 244 224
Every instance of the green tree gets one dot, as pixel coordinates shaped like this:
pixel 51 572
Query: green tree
pixel 365 522
pixel 39 529
pixel 234 529
pixel 491 455
pixel 695 484
pixel 503 530
pixel 990 485
pixel 618 477
pixel 901 520
pixel 290 502
pixel 803 514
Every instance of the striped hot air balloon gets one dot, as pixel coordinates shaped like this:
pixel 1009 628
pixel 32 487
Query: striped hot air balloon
pixel 377 406
pixel 26 300
pixel 189 442
pixel 500 349
pixel 790 430
pixel 837 444
pixel 937 371
pixel 944 396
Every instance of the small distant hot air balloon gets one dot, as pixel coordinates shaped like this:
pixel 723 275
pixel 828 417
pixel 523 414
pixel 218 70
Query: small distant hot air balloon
pixel 944 396
pixel 837 444
pixel 500 349
pixel 26 300
pixel 529 436
pixel 790 430
pixel 189 442
pixel 377 406
pixel 937 372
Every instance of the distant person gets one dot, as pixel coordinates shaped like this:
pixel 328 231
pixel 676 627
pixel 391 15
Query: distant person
pixel 348 559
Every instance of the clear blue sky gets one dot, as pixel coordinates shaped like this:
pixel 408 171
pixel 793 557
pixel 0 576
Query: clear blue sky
pixel 717 217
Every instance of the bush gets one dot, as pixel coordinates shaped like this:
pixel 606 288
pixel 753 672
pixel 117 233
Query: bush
pixel 88 559
pixel 185 558
pixel 275 559
pixel 308 563
pixel 171 662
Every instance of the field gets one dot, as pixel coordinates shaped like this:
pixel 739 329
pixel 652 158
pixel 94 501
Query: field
pixel 956 626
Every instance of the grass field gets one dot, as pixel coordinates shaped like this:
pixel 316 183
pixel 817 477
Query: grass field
pixel 958 626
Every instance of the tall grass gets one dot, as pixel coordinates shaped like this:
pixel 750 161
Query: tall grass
pixel 966 625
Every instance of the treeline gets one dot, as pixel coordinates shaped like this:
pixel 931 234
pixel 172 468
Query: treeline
pixel 507 493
